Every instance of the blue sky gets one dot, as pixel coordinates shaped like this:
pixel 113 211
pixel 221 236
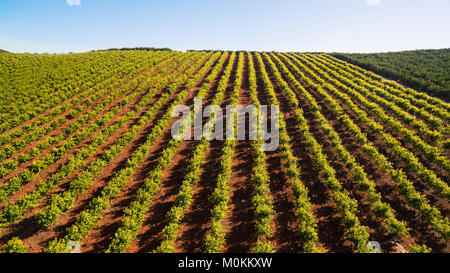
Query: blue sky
pixel 280 25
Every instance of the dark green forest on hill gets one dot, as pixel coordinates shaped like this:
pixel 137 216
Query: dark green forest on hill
pixel 424 70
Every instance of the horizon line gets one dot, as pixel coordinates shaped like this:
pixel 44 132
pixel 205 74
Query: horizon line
pixel 216 50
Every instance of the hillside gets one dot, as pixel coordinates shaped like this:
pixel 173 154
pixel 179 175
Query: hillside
pixel 425 70
pixel 88 155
